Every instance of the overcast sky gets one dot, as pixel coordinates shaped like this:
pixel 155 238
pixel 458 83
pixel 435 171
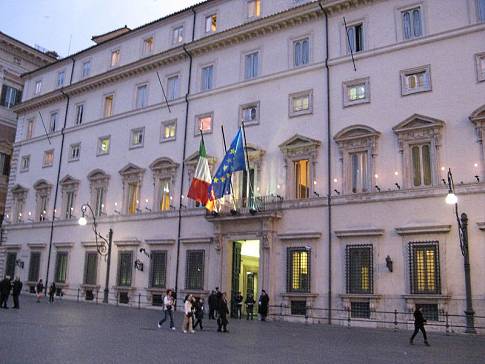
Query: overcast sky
pixel 51 23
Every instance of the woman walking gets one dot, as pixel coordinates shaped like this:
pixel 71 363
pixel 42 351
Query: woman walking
pixel 188 304
pixel 39 287
pixel 168 309
pixel 198 312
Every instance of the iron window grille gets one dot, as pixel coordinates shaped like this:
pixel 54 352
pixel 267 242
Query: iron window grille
pixel 125 269
pixel 359 269
pixel 10 266
pixel 159 269
pixel 61 267
pixel 90 268
pixel 299 270
pixel 430 311
pixel 157 300
pixel 194 274
pixel 34 266
pixel 360 310
pixel 298 308
pixel 424 267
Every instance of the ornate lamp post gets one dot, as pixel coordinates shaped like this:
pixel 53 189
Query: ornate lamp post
pixel 103 247
pixel 462 221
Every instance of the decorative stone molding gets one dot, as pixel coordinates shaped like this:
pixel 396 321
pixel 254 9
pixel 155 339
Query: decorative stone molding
pixel 364 232
pixel 37 245
pixel 300 235
pixel 348 298
pixel 202 240
pixel 12 246
pixel 90 244
pixel 19 196
pixel 97 179
pixel 128 242
pixel 63 245
pixel 477 117
pixel 162 168
pixel 160 241
pixel 423 229
pixel 130 174
pixel 42 191
pixel 68 184
pixel 413 299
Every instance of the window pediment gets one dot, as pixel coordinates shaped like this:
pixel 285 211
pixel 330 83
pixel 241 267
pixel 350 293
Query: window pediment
pixel 19 190
pixel 164 164
pixel 42 185
pixel 97 175
pixel 193 159
pixel 131 170
pixel 419 127
pixel 357 136
pixel 254 152
pixel 299 145
pixel 69 181
pixel 478 115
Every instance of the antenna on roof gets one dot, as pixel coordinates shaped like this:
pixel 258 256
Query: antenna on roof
pixel 163 91
pixel 46 134
pixel 348 43
pixel 69 48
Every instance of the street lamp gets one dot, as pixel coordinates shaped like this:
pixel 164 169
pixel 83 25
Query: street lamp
pixel 462 222
pixel 103 248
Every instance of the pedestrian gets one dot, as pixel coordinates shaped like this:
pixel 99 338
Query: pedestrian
pixel 188 303
pixel 16 289
pixel 249 306
pixel 263 305
pixel 39 287
pixel 222 311
pixel 198 313
pixel 238 299
pixel 212 304
pixel 168 305
pixel 52 292
pixel 419 322
pixel 5 287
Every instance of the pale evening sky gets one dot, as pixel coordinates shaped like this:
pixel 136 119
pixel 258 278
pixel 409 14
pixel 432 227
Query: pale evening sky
pixel 50 23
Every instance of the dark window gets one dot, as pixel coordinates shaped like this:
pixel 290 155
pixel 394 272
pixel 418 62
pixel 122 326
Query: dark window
pixel 157 300
pixel 124 269
pixel 194 273
pixel 10 96
pixel 359 269
pixel 430 311
pixel 61 267
pixel 159 269
pixel 355 38
pixel 90 268
pixel 298 270
pixel 4 164
pixel 424 267
pixel 298 308
pixel 34 266
pixel 360 310
pixel 10 266
pixel 124 298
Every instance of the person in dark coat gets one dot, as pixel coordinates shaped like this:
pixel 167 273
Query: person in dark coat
pixel 249 306
pixel 238 299
pixel 198 313
pixel 212 305
pixel 52 292
pixel 223 310
pixel 5 287
pixel 263 305
pixel 16 289
pixel 419 322
pixel 39 287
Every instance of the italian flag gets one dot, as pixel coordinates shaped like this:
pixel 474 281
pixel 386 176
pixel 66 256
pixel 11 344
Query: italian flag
pixel 199 188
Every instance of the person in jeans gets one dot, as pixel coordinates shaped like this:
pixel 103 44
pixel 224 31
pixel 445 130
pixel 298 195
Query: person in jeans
pixel 419 322
pixel 188 305
pixel 39 287
pixel 168 304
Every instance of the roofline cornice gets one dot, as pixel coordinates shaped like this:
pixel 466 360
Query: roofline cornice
pixel 25 48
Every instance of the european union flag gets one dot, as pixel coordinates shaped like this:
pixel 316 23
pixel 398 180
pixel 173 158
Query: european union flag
pixel 233 161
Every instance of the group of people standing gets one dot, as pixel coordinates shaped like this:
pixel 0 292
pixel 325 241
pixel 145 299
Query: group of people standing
pixel 7 286
pixel 263 305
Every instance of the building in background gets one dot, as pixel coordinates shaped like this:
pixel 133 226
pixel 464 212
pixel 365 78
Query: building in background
pixel 342 206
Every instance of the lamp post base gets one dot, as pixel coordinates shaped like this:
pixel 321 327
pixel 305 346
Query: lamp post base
pixel 106 295
pixel 470 322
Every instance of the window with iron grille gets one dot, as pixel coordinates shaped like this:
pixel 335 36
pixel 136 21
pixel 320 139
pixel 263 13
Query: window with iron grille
pixel 359 269
pixel 299 269
pixel 125 268
pixel 159 269
pixel 61 267
pixel 90 268
pixel 10 266
pixel 194 273
pixel 430 311
pixel 298 308
pixel 360 310
pixel 34 266
pixel 157 300
pixel 424 267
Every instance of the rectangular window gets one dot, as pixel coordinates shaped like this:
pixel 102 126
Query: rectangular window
pixel 103 145
pixel 34 266
pixel 249 113
pixel 133 198
pixel 301 52
pixel 115 58
pixel 302 179
pixel 360 176
pixel 10 265
pixel 38 87
pixel 159 269
pixel 173 87
pixel 108 106
pixel 10 96
pixel 481 10
pixel 360 310
pixel 42 208
pixel 137 136
pixel 355 38
pixel 430 311
pixel 359 269
pixel 421 159
pixel 416 80
pixel 79 114
pixel 99 201
pixel 141 96
pixel 60 78
pixel 412 25
pixel 300 103
pixel 298 308
pixel 211 23
pixel 86 70
pixel 356 93
pixel 424 262
pixel 480 64
pixel 148 46
pixel 30 129
pixel 69 207
pixel 19 208
pixel 25 163
pixel 194 272
pixel 48 159
pixel 53 122
pixel 204 124
pixel 254 8
pixel 4 164
pixel 91 268
pixel 61 267
pixel 125 263
pixel 299 268
pixel 251 64
pixel 164 194
pixel 178 35
pixel 207 78
pixel 169 130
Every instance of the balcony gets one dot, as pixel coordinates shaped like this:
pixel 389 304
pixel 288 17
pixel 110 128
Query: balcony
pixel 245 208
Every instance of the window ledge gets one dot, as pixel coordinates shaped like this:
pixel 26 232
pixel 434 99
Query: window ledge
pixel 369 296
pixel 300 235
pixel 299 295
pixel 124 288
pixel 424 229
pixel 427 297
pixel 61 285
pixel 90 286
pixel 156 290
pixel 359 232
pixel 197 292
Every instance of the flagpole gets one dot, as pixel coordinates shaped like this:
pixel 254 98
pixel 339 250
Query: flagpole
pixel 230 181
pixel 248 171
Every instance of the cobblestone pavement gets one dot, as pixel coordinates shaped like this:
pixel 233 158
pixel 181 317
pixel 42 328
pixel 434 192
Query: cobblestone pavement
pixel 70 332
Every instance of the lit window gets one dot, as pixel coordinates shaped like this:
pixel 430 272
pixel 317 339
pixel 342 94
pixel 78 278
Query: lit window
pixel 173 87
pixel 249 113
pixel 356 92
pixel 298 270
pixel 164 194
pixel 48 159
pixel 355 38
pixel 103 145
pixel 207 78
pixel 69 205
pixel 211 23
pixel 86 70
pixel 302 178
pixel 148 46
pixel 178 35
pixel 359 269
pixel 169 129
pixel 30 129
pixel 137 136
pixel 360 175
pixel 141 96
pixel 108 106
pixel 301 103
pixel 60 78
pixel 99 201
pixel 75 152
pixel 25 163
pixel 115 58
pixel 204 124
pixel 421 159
pixel 251 64
pixel 301 52
pixel 416 80
pixel 412 23
pixel 10 96
pixel 254 8
pixel 53 122
pixel 133 198
pixel 79 113
pixel 38 87
pixel 425 268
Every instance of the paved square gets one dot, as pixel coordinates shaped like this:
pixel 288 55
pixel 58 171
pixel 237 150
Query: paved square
pixel 70 332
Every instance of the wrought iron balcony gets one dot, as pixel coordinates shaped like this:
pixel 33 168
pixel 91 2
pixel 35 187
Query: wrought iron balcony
pixel 258 205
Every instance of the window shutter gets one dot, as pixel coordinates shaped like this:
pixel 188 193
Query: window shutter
pixel 3 98
pixel 417 23
pixel 18 97
pixel 305 52
pixel 407 25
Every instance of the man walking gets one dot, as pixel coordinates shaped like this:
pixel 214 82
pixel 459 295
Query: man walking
pixel 223 310
pixel 212 305
pixel 168 309
pixel 5 287
pixel 263 305
pixel 16 289
pixel 419 322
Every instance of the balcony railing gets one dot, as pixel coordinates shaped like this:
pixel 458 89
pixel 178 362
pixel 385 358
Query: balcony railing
pixel 248 206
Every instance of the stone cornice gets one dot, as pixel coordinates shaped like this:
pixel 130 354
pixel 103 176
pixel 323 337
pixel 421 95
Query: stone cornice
pixel 423 229
pixel 159 241
pixel 201 240
pixel 37 245
pixel 359 232
pixel 300 235
pixel 127 242
pixel 63 245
